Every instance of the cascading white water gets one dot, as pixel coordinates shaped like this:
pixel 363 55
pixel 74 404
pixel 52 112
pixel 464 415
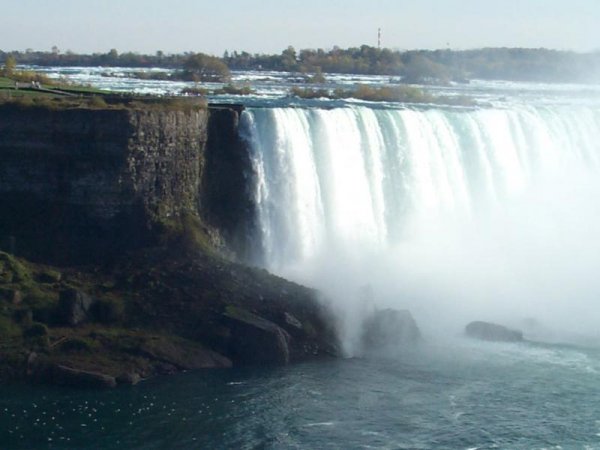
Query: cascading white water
pixel 435 208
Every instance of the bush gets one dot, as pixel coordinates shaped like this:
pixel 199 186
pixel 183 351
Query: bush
pixel 404 94
pixel 29 76
pixel 97 102
pixel 234 90
pixel 317 77
pixel 9 66
pixel 194 91
pixel 308 93
pixel 201 67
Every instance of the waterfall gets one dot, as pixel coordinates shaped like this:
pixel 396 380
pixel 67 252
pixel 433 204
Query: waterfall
pixel 415 192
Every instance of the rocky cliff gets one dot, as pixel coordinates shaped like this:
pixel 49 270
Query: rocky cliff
pixel 99 181
pixel 116 226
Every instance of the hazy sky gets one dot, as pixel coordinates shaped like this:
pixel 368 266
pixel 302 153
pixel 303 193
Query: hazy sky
pixel 213 26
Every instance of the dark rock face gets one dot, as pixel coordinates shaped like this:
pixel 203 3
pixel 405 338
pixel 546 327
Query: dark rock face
pixel 226 202
pixel 487 331
pixel 255 340
pixel 389 327
pixel 74 307
pixel 100 180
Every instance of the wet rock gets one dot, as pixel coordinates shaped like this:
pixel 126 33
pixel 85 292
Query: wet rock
pixel 68 376
pixel 488 331
pixel 389 327
pixel 183 355
pixel 255 340
pixel 31 363
pixel 74 307
pixel 164 368
pixel 291 320
pixel 130 378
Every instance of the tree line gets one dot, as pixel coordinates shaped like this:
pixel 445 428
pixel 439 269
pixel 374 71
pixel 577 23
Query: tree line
pixel 416 66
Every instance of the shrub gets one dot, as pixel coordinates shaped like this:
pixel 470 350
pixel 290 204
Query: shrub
pixel 317 77
pixel 9 66
pixel 97 102
pixel 194 91
pixel 308 93
pixel 405 94
pixel 201 67
pixel 234 90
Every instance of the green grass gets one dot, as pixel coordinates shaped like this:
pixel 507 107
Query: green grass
pixel 28 96
pixel 6 83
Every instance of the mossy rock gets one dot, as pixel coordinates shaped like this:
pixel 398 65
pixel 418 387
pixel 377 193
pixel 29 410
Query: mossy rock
pixel 43 304
pixel 37 296
pixel 188 232
pixel 12 271
pixel 48 276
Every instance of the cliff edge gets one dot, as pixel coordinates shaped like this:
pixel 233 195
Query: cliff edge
pixel 118 230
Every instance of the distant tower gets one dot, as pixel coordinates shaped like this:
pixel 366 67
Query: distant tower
pixel 379 38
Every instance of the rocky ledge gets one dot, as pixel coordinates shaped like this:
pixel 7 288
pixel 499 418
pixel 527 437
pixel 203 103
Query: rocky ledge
pixel 119 228
pixel 487 331
pixel 158 311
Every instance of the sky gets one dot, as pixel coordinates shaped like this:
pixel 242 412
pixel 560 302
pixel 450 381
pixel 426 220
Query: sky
pixel 269 26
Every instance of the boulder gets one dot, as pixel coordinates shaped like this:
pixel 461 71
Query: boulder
pixel 256 340
pixel 487 331
pixel 292 321
pixel 389 327
pixel 74 307
pixel 183 355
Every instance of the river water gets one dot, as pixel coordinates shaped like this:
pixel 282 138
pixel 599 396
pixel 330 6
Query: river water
pixel 458 214
pixel 461 394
